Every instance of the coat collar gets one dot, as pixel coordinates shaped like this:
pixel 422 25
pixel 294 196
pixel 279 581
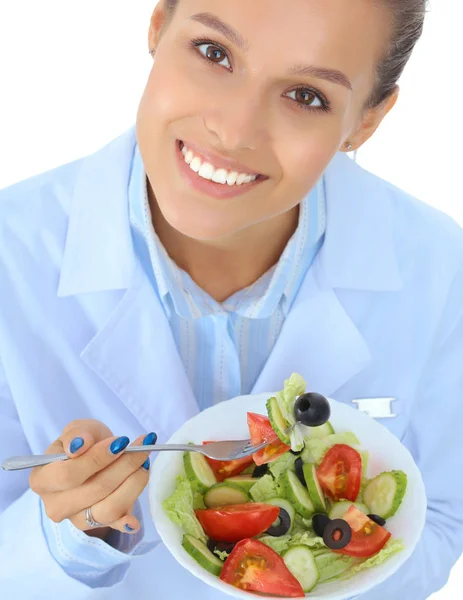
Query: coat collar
pixel 358 252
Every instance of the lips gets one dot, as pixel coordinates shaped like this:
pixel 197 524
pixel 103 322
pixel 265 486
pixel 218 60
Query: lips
pixel 212 174
pixel 213 167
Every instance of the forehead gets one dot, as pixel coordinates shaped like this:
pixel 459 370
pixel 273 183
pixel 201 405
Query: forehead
pixel 348 35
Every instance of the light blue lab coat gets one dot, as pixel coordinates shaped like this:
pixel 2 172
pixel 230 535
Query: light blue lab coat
pixel 82 334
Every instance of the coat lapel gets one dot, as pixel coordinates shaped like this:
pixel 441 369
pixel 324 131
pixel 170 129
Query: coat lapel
pixel 319 341
pixel 135 354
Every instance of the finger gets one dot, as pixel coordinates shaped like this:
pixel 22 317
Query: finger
pixel 115 509
pixel 77 438
pixel 70 474
pixel 61 504
pixel 80 436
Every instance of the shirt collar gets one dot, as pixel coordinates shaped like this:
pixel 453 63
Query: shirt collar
pixel 359 250
pixel 280 284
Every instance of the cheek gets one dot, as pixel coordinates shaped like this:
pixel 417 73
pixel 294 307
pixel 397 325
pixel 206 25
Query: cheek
pixel 305 158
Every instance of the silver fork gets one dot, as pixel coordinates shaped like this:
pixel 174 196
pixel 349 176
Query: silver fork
pixel 228 450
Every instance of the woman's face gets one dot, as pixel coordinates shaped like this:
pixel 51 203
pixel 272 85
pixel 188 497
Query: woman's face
pixel 264 87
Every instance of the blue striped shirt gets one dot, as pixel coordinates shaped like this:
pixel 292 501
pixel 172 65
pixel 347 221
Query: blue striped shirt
pixel 224 346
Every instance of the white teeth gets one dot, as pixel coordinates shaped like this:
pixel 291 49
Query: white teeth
pixel 208 171
pixel 232 178
pixel 220 176
pixel 195 164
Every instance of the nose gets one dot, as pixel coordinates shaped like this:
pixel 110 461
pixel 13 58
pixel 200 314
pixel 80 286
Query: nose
pixel 237 122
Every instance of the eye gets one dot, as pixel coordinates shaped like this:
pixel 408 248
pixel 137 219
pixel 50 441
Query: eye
pixel 309 99
pixel 213 53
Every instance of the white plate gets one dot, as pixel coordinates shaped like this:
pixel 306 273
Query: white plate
pixel 227 420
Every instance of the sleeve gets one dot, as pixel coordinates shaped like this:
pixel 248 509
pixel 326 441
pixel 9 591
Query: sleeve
pixel 38 555
pixel 434 440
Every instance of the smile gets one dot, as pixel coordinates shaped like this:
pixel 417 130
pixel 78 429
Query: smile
pixel 215 175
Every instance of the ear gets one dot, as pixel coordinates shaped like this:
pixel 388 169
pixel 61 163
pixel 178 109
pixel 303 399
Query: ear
pixel 372 120
pixel 158 21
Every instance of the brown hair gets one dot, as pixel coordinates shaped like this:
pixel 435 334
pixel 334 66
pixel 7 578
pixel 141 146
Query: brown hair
pixel 407 26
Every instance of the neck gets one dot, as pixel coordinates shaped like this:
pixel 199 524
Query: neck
pixel 223 267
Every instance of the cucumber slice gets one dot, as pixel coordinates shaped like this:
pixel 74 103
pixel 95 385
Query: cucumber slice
pixel 285 505
pixel 301 562
pixel 244 481
pixel 202 555
pixel 223 494
pixel 313 487
pixel 384 494
pixel 278 422
pixel 198 471
pixel 297 494
pixel 339 509
pixel 319 432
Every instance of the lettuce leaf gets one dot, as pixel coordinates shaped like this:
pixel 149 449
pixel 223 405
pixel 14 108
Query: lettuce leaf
pixel 293 388
pixel 392 547
pixel 222 555
pixel 179 509
pixel 278 544
pixel 265 488
pixel 282 463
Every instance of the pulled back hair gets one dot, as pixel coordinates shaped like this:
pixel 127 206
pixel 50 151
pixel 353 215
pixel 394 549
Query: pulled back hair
pixel 407 26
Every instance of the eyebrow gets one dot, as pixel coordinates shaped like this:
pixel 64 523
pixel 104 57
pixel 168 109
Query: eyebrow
pixel 213 22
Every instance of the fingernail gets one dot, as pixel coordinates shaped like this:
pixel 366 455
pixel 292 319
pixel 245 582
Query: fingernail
pixel 146 464
pixel 150 439
pixel 120 444
pixel 129 529
pixel 76 444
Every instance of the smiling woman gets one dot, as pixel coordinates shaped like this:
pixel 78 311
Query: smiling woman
pixel 222 243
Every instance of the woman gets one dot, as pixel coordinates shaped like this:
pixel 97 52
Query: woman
pixel 224 244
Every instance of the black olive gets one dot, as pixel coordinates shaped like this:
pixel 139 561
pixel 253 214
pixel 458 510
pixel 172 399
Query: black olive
pixel 295 452
pixel 281 526
pixel 319 522
pixel 260 470
pixel 299 471
pixel 221 546
pixel 337 534
pixel 312 409
pixel 224 546
pixel 377 519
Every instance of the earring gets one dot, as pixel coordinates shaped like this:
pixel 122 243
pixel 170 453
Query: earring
pixel 152 52
pixel 348 146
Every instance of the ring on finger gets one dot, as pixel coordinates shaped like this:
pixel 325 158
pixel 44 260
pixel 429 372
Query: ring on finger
pixel 90 520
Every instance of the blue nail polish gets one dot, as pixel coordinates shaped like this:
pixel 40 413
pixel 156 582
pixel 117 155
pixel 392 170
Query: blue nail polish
pixel 146 464
pixel 76 444
pixel 129 529
pixel 150 439
pixel 120 444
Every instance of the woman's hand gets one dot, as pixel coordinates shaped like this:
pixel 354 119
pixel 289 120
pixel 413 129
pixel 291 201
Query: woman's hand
pixel 98 475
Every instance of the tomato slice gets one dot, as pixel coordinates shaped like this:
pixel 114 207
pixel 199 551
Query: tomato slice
pixel 237 521
pixel 261 430
pixel 228 468
pixel 367 536
pixel 340 473
pixel 255 567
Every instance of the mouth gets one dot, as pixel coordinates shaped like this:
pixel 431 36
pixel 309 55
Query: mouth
pixel 215 175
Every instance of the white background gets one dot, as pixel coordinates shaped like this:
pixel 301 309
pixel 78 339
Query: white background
pixel 72 73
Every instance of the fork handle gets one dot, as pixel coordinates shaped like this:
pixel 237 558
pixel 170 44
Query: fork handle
pixel 18 463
